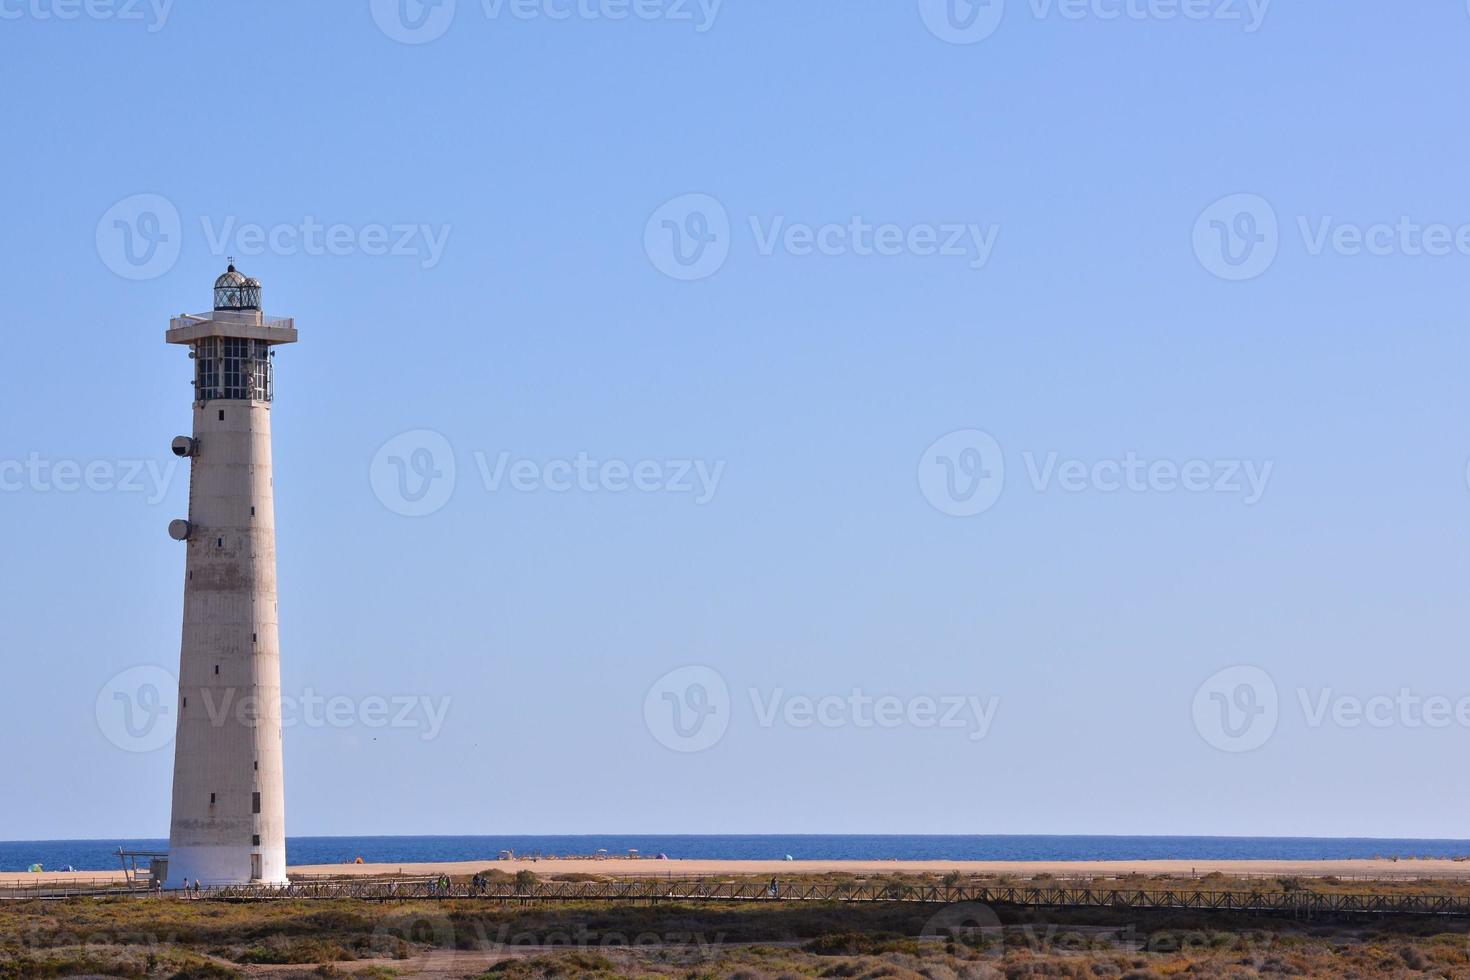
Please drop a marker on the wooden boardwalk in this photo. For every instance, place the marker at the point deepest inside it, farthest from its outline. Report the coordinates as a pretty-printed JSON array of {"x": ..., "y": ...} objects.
[{"x": 1305, "y": 903}]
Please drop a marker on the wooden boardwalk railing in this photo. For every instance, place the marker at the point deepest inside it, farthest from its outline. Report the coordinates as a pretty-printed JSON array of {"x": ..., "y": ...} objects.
[{"x": 1296, "y": 903}]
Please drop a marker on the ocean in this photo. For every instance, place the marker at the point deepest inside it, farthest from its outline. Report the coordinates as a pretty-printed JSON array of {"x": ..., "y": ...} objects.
[{"x": 101, "y": 855}]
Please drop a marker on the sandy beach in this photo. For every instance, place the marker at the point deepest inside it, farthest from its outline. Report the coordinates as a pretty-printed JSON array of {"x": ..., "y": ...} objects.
[
  {"x": 1366, "y": 869},
  {"x": 704, "y": 868}
]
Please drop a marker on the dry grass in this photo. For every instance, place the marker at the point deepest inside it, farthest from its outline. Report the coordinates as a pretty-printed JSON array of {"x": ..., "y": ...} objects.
[{"x": 165, "y": 939}]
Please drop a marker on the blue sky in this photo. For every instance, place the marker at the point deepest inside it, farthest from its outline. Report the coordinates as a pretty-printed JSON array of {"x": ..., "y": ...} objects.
[{"x": 605, "y": 375}]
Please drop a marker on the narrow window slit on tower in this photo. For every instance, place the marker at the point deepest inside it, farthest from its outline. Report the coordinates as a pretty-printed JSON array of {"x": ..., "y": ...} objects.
[
  {"x": 255, "y": 840},
  {"x": 216, "y": 670},
  {"x": 221, "y": 415},
  {"x": 219, "y": 542},
  {"x": 211, "y": 799},
  {"x": 255, "y": 803}
]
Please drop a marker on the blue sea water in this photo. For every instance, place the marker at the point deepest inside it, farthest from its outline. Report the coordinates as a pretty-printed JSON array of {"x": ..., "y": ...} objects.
[{"x": 102, "y": 855}]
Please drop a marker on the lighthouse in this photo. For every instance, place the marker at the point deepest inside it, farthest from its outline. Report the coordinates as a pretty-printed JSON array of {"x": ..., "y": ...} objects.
[{"x": 229, "y": 810}]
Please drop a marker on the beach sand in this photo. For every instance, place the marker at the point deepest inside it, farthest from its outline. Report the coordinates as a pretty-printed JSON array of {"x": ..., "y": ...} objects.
[
  {"x": 704, "y": 869},
  {"x": 1366, "y": 869}
]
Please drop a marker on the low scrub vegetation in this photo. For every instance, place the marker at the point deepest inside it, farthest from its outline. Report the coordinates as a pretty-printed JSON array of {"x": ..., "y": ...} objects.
[{"x": 150, "y": 939}]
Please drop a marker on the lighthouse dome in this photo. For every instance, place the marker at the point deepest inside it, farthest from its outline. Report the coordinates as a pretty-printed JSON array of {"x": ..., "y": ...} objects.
[
  {"x": 235, "y": 291},
  {"x": 232, "y": 277}
]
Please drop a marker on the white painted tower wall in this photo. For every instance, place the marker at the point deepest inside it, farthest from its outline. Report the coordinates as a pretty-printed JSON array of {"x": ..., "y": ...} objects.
[{"x": 228, "y": 823}]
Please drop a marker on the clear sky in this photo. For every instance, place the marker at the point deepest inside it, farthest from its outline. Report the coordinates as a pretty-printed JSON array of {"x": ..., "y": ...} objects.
[{"x": 819, "y": 347}]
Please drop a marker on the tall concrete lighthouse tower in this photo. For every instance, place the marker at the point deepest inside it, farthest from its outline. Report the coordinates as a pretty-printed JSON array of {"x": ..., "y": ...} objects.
[{"x": 229, "y": 809}]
